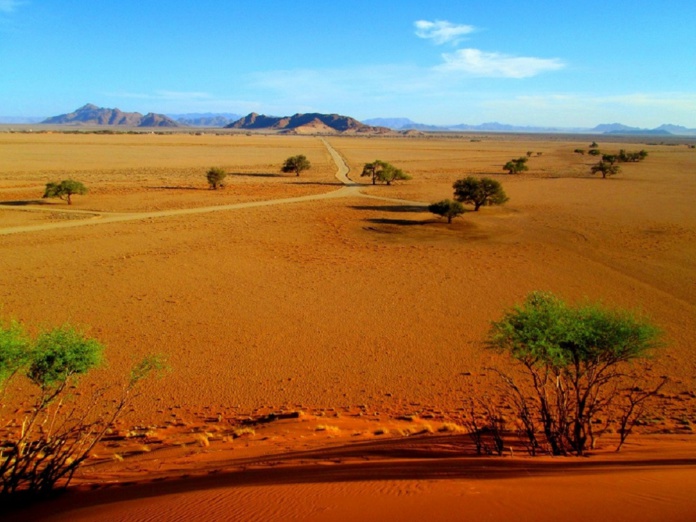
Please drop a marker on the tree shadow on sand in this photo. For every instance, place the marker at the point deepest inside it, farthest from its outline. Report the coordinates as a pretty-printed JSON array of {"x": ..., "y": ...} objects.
[
  {"x": 392, "y": 208},
  {"x": 399, "y": 222},
  {"x": 257, "y": 174},
  {"x": 24, "y": 203},
  {"x": 173, "y": 187}
]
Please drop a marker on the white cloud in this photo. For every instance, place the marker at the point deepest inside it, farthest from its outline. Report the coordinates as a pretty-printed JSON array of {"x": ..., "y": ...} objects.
[
  {"x": 441, "y": 32},
  {"x": 497, "y": 65},
  {"x": 9, "y": 6}
]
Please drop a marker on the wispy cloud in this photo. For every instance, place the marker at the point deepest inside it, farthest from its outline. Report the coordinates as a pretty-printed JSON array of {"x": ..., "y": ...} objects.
[
  {"x": 496, "y": 65},
  {"x": 441, "y": 31},
  {"x": 10, "y": 6}
]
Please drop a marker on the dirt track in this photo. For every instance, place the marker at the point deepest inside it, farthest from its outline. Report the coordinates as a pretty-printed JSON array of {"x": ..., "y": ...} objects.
[{"x": 350, "y": 190}]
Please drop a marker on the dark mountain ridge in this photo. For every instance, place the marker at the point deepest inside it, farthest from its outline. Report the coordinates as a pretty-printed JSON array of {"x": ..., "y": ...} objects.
[
  {"x": 92, "y": 115},
  {"x": 305, "y": 123}
]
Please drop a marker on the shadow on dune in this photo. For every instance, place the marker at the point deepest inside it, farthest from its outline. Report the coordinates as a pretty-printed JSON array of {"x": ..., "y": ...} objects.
[{"x": 415, "y": 458}]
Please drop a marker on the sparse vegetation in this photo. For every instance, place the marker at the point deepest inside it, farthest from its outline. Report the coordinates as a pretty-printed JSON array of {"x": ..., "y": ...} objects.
[
  {"x": 515, "y": 166},
  {"x": 479, "y": 192},
  {"x": 296, "y": 164},
  {"x": 215, "y": 177},
  {"x": 447, "y": 208},
  {"x": 58, "y": 432},
  {"x": 573, "y": 360},
  {"x": 632, "y": 157},
  {"x": 594, "y": 152},
  {"x": 579, "y": 151},
  {"x": 605, "y": 169},
  {"x": 64, "y": 190}
]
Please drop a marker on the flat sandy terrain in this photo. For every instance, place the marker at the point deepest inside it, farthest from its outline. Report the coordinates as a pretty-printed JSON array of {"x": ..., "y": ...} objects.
[{"x": 360, "y": 306}]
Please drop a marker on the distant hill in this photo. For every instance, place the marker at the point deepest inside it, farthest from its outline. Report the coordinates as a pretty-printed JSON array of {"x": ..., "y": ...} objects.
[
  {"x": 205, "y": 119},
  {"x": 613, "y": 128},
  {"x": 92, "y": 115},
  {"x": 641, "y": 132},
  {"x": 403, "y": 124},
  {"x": 19, "y": 119},
  {"x": 306, "y": 124}
]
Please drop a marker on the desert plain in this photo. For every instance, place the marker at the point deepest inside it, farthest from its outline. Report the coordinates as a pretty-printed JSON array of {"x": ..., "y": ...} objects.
[{"x": 350, "y": 312}]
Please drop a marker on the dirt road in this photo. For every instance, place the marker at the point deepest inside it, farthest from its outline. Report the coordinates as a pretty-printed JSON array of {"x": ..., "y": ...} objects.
[{"x": 349, "y": 190}]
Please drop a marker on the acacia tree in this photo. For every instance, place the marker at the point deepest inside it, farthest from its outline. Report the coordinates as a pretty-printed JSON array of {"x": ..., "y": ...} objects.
[
  {"x": 447, "y": 208},
  {"x": 516, "y": 166},
  {"x": 296, "y": 164},
  {"x": 572, "y": 360},
  {"x": 64, "y": 190},
  {"x": 215, "y": 177},
  {"x": 479, "y": 192},
  {"x": 390, "y": 173},
  {"x": 383, "y": 172},
  {"x": 58, "y": 432},
  {"x": 605, "y": 168},
  {"x": 371, "y": 169},
  {"x": 633, "y": 157}
]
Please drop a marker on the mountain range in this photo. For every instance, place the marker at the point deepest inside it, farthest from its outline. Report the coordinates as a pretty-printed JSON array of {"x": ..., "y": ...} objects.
[
  {"x": 402, "y": 124},
  {"x": 313, "y": 123},
  {"x": 92, "y": 115},
  {"x": 205, "y": 119},
  {"x": 306, "y": 124}
]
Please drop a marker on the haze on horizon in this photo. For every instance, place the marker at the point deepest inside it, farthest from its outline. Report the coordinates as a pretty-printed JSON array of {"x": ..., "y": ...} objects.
[{"x": 566, "y": 64}]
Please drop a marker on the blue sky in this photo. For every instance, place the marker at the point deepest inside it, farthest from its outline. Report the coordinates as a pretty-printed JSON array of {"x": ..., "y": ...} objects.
[{"x": 562, "y": 63}]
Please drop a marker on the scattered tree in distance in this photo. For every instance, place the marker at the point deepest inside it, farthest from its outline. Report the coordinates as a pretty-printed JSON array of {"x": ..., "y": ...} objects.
[
  {"x": 215, "y": 177},
  {"x": 516, "y": 166},
  {"x": 447, "y": 208},
  {"x": 632, "y": 157},
  {"x": 383, "y": 172},
  {"x": 479, "y": 192},
  {"x": 64, "y": 190},
  {"x": 605, "y": 168},
  {"x": 296, "y": 164}
]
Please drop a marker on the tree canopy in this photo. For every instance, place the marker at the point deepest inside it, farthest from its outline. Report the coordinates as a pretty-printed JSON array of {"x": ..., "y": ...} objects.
[
  {"x": 383, "y": 172},
  {"x": 516, "y": 166},
  {"x": 296, "y": 164},
  {"x": 572, "y": 356},
  {"x": 479, "y": 192},
  {"x": 447, "y": 208},
  {"x": 64, "y": 190},
  {"x": 605, "y": 168},
  {"x": 215, "y": 177},
  {"x": 57, "y": 432}
]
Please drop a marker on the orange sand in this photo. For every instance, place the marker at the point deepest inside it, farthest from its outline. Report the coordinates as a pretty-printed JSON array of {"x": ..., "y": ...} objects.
[{"x": 350, "y": 302}]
